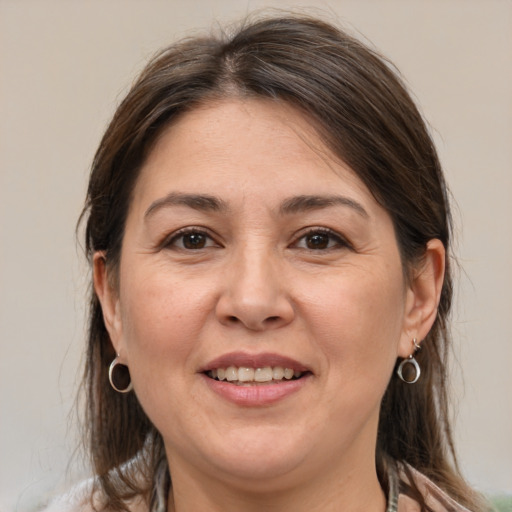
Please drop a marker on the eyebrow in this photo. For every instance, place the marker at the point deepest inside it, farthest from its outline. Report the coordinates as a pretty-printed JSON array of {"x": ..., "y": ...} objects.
[
  {"x": 314, "y": 202},
  {"x": 296, "y": 204},
  {"x": 201, "y": 202}
]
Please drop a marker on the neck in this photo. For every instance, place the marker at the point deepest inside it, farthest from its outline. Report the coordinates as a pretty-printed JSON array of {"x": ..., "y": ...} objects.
[{"x": 356, "y": 489}]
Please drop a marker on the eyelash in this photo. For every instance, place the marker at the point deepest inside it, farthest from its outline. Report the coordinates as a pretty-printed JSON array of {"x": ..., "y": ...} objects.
[
  {"x": 334, "y": 240},
  {"x": 339, "y": 241},
  {"x": 172, "y": 240}
]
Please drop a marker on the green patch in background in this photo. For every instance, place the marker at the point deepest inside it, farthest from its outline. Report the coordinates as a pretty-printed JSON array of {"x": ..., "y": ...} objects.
[{"x": 502, "y": 503}]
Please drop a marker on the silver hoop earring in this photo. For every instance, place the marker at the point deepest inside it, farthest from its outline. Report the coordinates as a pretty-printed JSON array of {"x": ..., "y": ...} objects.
[
  {"x": 409, "y": 370},
  {"x": 119, "y": 376}
]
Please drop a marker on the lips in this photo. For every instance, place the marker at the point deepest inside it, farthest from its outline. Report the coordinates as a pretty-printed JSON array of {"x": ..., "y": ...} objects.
[{"x": 255, "y": 379}]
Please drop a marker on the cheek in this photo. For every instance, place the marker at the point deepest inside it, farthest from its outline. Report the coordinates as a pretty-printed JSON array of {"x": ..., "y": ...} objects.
[
  {"x": 162, "y": 318},
  {"x": 162, "y": 322},
  {"x": 357, "y": 320}
]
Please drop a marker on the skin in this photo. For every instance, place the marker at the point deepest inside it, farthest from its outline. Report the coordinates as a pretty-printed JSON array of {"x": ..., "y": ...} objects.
[{"x": 263, "y": 280}]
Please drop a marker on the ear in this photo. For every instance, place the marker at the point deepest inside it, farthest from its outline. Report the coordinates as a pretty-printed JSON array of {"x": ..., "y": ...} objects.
[
  {"x": 423, "y": 295},
  {"x": 109, "y": 300}
]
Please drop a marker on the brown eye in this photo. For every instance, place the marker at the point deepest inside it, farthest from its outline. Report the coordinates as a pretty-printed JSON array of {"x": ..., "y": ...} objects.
[
  {"x": 317, "y": 241},
  {"x": 190, "y": 240},
  {"x": 321, "y": 240},
  {"x": 194, "y": 240}
]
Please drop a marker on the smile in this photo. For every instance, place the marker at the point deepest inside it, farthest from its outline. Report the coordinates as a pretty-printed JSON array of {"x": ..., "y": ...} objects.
[
  {"x": 255, "y": 380},
  {"x": 247, "y": 376}
]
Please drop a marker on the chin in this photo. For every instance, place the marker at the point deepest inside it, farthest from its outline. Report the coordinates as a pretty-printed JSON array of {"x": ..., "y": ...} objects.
[
  {"x": 259, "y": 458},
  {"x": 262, "y": 472}
]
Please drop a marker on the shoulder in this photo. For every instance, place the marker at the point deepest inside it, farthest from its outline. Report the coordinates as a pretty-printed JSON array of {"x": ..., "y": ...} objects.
[
  {"x": 435, "y": 498},
  {"x": 82, "y": 498},
  {"x": 77, "y": 499}
]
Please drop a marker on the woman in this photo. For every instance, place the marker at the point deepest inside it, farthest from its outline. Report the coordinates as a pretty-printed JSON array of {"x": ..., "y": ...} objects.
[{"x": 269, "y": 229}]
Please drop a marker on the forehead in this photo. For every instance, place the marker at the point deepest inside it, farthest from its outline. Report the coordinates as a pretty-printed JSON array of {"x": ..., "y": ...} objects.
[{"x": 243, "y": 145}]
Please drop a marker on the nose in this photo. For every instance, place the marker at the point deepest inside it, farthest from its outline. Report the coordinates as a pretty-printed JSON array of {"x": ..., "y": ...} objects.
[{"x": 255, "y": 294}]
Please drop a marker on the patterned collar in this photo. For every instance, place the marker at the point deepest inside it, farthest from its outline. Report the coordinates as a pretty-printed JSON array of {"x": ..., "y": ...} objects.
[{"x": 394, "y": 485}]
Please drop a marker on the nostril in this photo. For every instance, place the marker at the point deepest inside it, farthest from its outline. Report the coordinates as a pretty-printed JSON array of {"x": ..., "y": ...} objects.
[{"x": 271, "y": 320}]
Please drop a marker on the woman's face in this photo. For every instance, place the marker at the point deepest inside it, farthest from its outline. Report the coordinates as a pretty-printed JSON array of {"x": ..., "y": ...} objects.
[{"x": 252, "y": 254}]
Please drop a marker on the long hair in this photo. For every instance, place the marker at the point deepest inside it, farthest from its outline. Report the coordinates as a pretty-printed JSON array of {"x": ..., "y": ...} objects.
[{"x": 363, "y": 113}]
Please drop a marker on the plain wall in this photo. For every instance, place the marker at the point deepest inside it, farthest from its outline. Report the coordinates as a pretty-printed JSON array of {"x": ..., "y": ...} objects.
[{"x": 64, "y": 65}]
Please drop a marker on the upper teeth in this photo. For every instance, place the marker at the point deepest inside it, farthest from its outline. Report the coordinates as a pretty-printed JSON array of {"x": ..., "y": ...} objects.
[{"x": 245, "y": 374}]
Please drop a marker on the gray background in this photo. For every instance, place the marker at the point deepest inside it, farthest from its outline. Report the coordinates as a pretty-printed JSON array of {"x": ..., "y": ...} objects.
[{"x": 64, "y": 65}]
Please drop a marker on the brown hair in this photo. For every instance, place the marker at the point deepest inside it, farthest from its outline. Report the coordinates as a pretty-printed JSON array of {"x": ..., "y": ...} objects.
[{"x": 366, "y": 117}]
